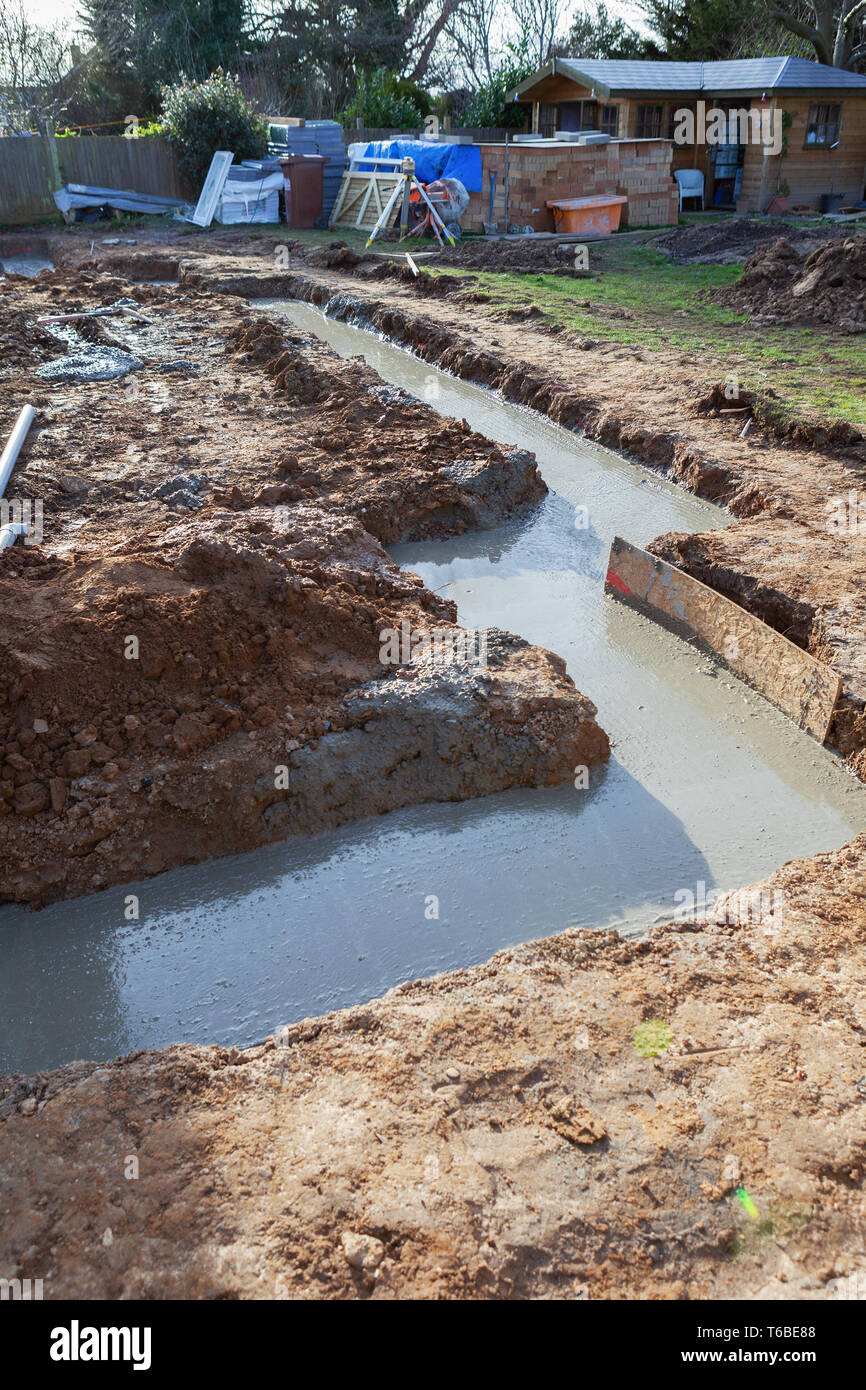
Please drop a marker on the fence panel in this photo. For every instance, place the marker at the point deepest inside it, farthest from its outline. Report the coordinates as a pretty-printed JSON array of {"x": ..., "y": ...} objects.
[
  {"x": 147, "y": 165},
  {"x": 25, "y": 179}
]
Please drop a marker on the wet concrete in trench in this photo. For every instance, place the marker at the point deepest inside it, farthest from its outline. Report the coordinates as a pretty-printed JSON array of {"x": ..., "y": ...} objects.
[
  {"x": 708, "y": 788},
  {"x": 24, "y": 263}
]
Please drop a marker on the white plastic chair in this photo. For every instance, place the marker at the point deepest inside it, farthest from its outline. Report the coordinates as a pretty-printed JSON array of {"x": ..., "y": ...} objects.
[{"x": 691, "y": 185}]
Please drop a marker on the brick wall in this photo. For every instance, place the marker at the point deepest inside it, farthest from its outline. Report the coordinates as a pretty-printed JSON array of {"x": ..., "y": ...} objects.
[{"x": 640, "y": 169}]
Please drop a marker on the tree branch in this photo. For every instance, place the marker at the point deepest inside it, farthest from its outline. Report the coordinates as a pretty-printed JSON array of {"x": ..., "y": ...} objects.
[
  {"x": 799, "y": 27},
  {"x": 429, "y": 43},
  {"x": 848, "y": 19}
]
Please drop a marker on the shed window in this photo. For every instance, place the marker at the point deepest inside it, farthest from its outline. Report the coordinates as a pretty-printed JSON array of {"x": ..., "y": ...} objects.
[
  {"x": 546, "y": 119},
  {"x": 674, "y": 107},
  {"x": 648, "y": 125},
  {"x": 608, "y": 119},
  {"x": 822, "y": 127},
  {"x": 588, "y": 115},
  {"x": 594, "y": 115}
]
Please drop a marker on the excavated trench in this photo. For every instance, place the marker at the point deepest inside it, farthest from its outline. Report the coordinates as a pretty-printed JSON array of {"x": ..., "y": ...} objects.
[
  {"x": 28, "y": 263},
  {"x": 708, "y": 788}
]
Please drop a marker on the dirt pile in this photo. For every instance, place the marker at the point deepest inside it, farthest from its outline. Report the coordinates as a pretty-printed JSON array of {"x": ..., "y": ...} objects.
[
  {"x": 337, "y": 255},
  {"x": 827, "y": 286},
  {"x": 422, "y": 283},
  {"x": 572, "y": 1119},
  {"x": 384, "y": 456},
  {"x": 543, "y": 255},
  {"x": 264, "y": 342},
  {"x": 150, "y": 696},
  {"x": 209, "y": 598},
  {"x": 734, "y": 239}
]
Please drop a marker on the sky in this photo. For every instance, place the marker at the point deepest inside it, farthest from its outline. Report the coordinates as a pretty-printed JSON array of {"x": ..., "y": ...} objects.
[
  {"x": 49, "y": 12},
  {"x": 52, "y": 12}
]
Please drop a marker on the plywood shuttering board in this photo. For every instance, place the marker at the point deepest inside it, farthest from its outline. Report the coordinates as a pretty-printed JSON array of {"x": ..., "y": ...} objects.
[
  {"x": 362, "y": 199},
  {"x": 788, "y": 677}
]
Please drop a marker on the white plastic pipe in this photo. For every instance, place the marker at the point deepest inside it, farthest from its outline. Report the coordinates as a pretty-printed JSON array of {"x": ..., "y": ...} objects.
[
  {"x": 9, "y": 534},
  {"x": 10, "y": 454}
]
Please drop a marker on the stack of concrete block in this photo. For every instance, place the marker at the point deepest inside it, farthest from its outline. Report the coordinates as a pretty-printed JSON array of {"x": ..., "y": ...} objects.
[{"x": 314, "y": 137}]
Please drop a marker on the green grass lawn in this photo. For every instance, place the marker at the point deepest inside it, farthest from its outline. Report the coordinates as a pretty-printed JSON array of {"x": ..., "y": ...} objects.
[
  {"x": 635, "y": 296},
  {"x": 813, "y": 374}
]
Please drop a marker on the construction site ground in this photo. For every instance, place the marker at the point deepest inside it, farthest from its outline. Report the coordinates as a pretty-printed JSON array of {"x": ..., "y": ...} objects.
[{"x": 581, "y": 1116}]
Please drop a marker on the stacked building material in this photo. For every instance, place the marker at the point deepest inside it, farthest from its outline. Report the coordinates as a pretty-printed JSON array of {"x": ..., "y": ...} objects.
[
  {"x": 251, "y": 193},
  {"x": 644, "y": 176},
  {"x": 313, "y": 137},
  {"x": 77, "y": 197},
  {"x": 546, "y": 170}
]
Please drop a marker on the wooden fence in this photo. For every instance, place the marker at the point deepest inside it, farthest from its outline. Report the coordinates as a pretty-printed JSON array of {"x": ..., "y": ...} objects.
[{"x": 28, "y": 178}]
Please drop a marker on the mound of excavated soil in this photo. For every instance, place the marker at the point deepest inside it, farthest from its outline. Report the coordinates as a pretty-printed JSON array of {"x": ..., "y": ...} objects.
[
  {"x": 149, "y": 695},
  {"x": 733, "y": 240},
  {"x": 210, "y": 596},
  {"x": 544, "y": 255},
  {"x": 779, "y": 285},
  {"x": 525, "y": 254}
]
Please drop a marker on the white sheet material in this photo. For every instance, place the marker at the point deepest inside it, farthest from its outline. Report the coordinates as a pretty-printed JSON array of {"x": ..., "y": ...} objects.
[
  {"x": 250, "y": 200},
  {"x": 249, "y": 209}
]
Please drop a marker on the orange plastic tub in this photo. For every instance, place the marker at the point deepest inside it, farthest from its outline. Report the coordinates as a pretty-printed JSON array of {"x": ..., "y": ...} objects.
[{"x": 597, "y": 216}]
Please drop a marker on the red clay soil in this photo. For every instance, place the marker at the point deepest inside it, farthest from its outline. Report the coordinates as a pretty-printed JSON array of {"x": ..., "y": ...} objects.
[
  {"x": 257, "y": 649},
  {"x": 546, "y": 256},
  {"x": 208, "y": 599},
  {"x": 500, "y": 1132}
]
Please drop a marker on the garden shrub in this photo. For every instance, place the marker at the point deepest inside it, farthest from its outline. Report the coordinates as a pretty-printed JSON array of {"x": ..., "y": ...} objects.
[{"x": 201, "y": 117}]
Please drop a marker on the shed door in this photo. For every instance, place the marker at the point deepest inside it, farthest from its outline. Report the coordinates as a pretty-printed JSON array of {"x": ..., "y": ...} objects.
[{"x": 569, "y": 115}]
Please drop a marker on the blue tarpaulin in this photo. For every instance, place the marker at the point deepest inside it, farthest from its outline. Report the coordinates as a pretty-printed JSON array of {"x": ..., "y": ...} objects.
[{"x": 461, "y": 162}]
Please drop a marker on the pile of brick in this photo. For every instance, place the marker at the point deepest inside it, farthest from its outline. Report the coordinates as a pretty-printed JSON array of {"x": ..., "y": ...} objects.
[
  {"x": 645, "y": 178},
  {"x": 538, "y": 173}
]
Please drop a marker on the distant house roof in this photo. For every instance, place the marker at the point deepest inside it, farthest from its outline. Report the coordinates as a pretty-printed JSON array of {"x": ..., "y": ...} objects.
[{"x": 725, "y": 78}]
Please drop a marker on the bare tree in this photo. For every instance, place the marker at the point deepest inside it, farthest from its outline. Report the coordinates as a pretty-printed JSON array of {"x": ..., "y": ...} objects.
[
  {"x": 759, "y": 34},
  {"x": 425, "y": 21},
  {"x": 836, "y": 29},
  {"x": 538, "y": 21},
  {"x": 35, "y": 71},
  {"x": 469, "y": 39}
]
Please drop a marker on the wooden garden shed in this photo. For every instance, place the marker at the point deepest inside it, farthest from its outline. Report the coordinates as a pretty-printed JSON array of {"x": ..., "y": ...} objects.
[{"x": 817, "y": 115}]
